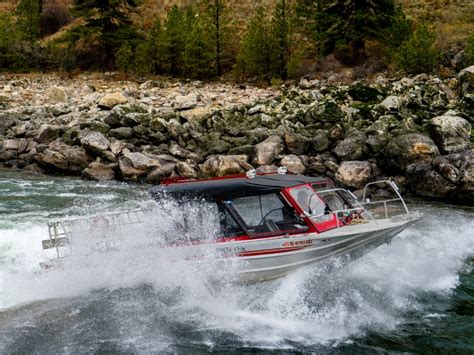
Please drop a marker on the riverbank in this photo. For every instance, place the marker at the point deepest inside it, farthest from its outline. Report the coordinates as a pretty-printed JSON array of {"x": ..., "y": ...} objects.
[{"x": 415, "y": 130}]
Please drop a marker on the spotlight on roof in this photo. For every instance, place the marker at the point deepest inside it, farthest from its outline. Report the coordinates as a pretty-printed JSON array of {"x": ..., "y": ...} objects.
[{"x": 282, "y": 170}]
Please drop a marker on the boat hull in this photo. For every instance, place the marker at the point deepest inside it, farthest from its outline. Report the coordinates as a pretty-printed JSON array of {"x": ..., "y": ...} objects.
[{"x": 351, "y": 241}]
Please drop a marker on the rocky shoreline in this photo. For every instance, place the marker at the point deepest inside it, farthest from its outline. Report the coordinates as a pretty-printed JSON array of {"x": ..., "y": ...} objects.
[{"x": 415, "y": 130}]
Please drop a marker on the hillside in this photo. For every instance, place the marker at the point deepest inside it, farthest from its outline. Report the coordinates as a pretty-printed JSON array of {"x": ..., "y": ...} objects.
[{"x": 454, "y": 19}]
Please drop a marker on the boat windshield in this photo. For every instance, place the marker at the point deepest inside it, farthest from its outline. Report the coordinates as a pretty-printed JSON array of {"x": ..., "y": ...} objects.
[
  {"x": 266, "y": 213},
  {"x": 311, "y": 203}
]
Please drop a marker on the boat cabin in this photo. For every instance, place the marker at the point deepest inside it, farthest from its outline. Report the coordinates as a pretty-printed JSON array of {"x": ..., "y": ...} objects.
[{"x": 265, "y": 205}]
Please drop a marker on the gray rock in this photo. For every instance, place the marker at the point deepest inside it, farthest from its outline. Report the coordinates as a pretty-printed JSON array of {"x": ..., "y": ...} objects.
[
  {"x": 6, "y": 121},
  {"x": 121, "y": 132},
  {"x": 408, "y": 148},
  {"x": 451, "y": 133},
  {"x": 47, "y": 133},
  {"x": 11, "y": 144},
  {"x": 221, "y": 165},
  {"x": 351, "y": 148},
  {"x": 266, "y": 151},
  {"x": 113, "y": 99},
  {"x": 99, "y": 171},
  {"x": 293, "y": 163},
  {"x": 391, "y": 103},
  {"x": 186, "y": 102},
  {"x": 95, "y": 142},
  {"x": 77, "y": 158},
  {"x": 53, "y": 159},
  {"x": 354, "y": 174},
  {"x": 160, "y": 172},
  {"x": 186, "y": 170},
  {"x": 57, "y": 94},
  {"x": 320, "y": 141}
]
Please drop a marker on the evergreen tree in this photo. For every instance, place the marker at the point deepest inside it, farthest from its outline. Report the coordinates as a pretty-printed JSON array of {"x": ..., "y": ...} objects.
[
  {"x": 199, "y": 55},
  {"x": 257, "y": 51},
  {"x": 152, "y": 48},
  {"x": 172, "y": 46},
  {"x": 28, "y": 19},
  {"x": 124, "y": 57},
  {"x": 281, "y": 34},
  {"x": 419, "y": 53},
  {"x": 219, "y": 20},
  {"x": 399, "y": 31},
  {"x": 107, "y": 21},
  {"x": 345, "y": 25}
]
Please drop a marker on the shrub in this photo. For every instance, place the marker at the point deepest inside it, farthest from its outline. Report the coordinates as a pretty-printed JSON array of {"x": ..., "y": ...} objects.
[
  {"x": 53, "y": 17},
  {"x": 418, "y": 54},
  {"x": 124, "y": 58},
  {"x": 469, "y": 51}
]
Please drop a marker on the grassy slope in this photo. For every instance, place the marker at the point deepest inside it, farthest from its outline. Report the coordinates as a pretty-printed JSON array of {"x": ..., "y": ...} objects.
[{"x": 454, "y": 19}]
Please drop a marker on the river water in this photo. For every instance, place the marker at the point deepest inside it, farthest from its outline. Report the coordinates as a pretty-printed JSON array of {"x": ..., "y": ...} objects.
[{"x": 415, "y": 295}]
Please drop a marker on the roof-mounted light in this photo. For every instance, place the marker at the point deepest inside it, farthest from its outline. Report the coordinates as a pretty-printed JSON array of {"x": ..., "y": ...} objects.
[
  {"x": 251, "y": 173},
  {"x": 282, "y": 170}
]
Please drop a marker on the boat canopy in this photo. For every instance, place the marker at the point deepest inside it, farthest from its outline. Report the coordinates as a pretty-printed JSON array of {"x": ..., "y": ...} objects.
[{"x": 226, "y": 188}]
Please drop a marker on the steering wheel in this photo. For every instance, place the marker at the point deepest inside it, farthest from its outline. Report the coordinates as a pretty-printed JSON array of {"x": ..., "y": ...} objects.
[{"x": 266, "y": 215}]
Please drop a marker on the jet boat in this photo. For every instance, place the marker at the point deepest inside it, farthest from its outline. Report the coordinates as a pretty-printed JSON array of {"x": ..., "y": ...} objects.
[{"x": 268, "y": 224}]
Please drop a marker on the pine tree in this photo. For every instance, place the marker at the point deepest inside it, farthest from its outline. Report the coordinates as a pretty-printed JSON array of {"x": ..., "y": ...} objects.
[
  {"x": 399, "y": 31},
  {"x": 28, "y": 13},
  {"x": 199, "y": 55},
  {"x": 281, "y": 34},
  {"x": 107, "y": 21},
  {"x": 419, "y": 53},
  {"x": 172, "y": 46},
  {"x": 124, "y": 57},
  {"x": 345, "y": 25},
  {"x": 257, "y": 51},
  {"x": 219, "y": 26}
]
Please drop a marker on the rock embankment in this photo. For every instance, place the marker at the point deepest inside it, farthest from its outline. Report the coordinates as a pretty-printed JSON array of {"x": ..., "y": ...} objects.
[{"x": 416, "y": 130}]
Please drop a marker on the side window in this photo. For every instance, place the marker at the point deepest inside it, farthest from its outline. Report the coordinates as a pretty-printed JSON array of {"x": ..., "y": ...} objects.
[
  {"x": 265, "y": 213},
  {"x": 229, "y": 226}
]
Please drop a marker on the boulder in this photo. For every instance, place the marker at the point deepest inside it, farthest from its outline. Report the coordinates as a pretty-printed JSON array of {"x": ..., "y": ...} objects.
[
  {"x": 451, "y": 133},
  {"x": 158, "y": 173},
  {"x": 319, "y": 141},
  {"x": 186, "y": 170},
  {"x": 113, "y": 99},
  {"x": 139, "y": 160},
  {"x": 354, "y": 174},
  {"x": 408, "y": 148},
  {"x": 77, "y": 158},
  {"x": 6, "y": 122},
  {"x": 57, "y": 94},
  {"x": 326, "y": 111},
  {"x": 221, "y": 165},
  {"x": 53, "y": 159},
  {"x": 121, "y": 132},
  {"x": 293, "y": 163},
  {"x": 128, "y": 172},
  {"x": 391, "y": 103},
  {"x": 266, "y": 151},
  {"x": 11, "y": 144},
  {"x": 296, "y": 143},
  {"x": 47, "y": 133},
  {"x": 351, "y": 148},
  {"x": 186, "y": 102},
  {"x": 99, "y": 171},
  {"x": 95, "y": 142}
]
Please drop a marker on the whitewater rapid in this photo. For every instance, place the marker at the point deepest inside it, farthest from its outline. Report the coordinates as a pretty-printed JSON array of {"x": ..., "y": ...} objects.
[{"x": 323, "y": 303}]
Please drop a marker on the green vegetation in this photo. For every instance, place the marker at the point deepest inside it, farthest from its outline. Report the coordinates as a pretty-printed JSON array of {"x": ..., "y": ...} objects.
[
  {"x": 469, "y": 50},
  {"x": 207, "y": 40},
  {"x": 418, "y": 54}
]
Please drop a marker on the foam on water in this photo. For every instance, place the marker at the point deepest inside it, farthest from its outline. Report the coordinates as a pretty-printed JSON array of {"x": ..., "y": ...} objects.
[{"x": 154, "y": 303}]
